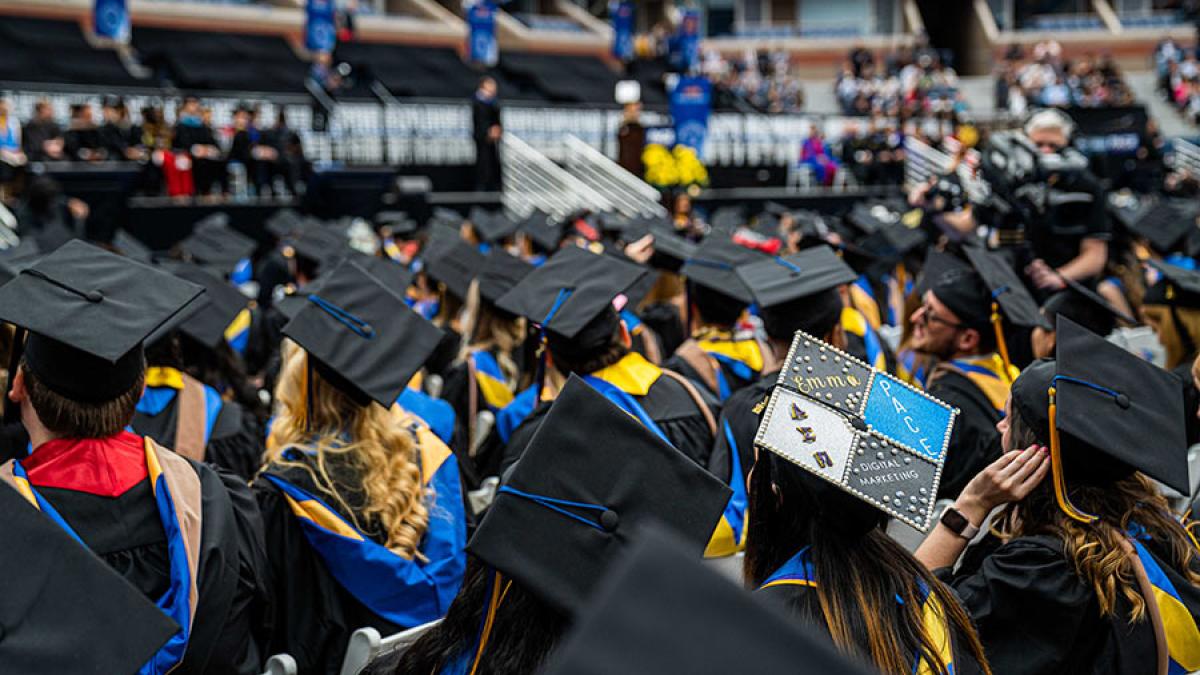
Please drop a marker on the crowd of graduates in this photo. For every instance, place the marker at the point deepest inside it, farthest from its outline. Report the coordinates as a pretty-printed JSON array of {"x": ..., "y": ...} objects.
[{"x": 523, "y": 433}]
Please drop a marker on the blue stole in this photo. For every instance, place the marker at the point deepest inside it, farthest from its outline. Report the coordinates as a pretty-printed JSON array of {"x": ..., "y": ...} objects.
[
  {"x": 627, "y": 403},
  {"x": 405, "y": 592},
  {"x": 1183, "y": 636},
  {"x": 730, "y": 535},
  {"x": 490, "y": 380},
  {"x": 176, "y": 602},
  {"x": 510, "y": 416},
  {"x": 438, "y": 414},
  {"x": 156, "y": 399},
  {"x": 855, "y": 322}
]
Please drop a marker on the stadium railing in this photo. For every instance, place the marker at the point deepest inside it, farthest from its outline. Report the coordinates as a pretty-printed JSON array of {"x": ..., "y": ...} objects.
[{"x": 628, "y": 193}]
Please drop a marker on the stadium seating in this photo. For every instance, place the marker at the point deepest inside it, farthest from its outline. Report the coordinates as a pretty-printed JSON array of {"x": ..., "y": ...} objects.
[
  {"x": 215, "y": 61},
  {"x": 42, "y": 50}
]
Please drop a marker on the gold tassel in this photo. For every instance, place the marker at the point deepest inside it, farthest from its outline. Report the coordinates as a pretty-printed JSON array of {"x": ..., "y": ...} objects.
[
  {"x": 1056, "y": 467},
  {"x": 489, "y": 619},
  {"x": 1001, "y": 345}
]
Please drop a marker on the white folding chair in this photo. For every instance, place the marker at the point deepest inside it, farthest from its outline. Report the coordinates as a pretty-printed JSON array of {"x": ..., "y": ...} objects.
[
  {"x": 281, "y": 664},
  {"x": 366, "y": 645}
]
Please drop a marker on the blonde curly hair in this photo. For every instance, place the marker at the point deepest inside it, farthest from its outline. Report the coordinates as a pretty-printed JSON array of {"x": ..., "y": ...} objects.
[
  {"x": 374, "y": 439},
  {"x": 484, "y": 328}
]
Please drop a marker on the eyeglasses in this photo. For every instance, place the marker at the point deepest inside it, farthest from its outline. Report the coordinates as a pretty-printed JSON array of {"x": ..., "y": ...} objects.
[
  {"x": 1054, "y": 147},
  {"x": 925, "y": 314}
]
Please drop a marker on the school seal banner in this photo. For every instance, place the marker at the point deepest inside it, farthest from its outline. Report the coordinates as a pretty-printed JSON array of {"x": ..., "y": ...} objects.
[{"x": 859, "y": 428}]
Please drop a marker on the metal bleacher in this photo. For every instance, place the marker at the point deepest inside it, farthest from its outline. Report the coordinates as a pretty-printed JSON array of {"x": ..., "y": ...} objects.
[
  {"x": 629, "y": 194},
  {"x": 533, "y": 181}
]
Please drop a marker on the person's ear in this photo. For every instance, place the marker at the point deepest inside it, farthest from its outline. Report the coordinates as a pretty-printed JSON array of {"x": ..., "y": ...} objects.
[
  {"x": 837, "y": 337},
  {"x": 968, "y": 340},
  {"x": 17, "y": 392}
]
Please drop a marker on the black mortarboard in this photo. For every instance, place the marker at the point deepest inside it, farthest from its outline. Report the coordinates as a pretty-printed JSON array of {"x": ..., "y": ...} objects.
[
  {"x": 779, "y": 280},
  {"x": 727, "y": 219},
  {"x": 671, "y": 251},
  {"x": 1115, "y": 412},
  {"x": 444, "y": 216},
  {"x": 590, "y": 479},
  {"x": 293, "y": 300},
  {"x": 215, "y": 244},
  {"x": 1005, "y": 287},
  {"x": 363, "y": 337},
  {"x": 661, "y": 611},
  {"x": 1085, "y": 307},
  {"x": 894, "y": 241},
  {"x": 320, "y": 244},
  {"x": 285, "y": 223},
  {"x": 455, "y": 265},
  {"x": 131, "y": 247},
  {"x": 493, "y": 227},
  {"x": 16, "y": 258},
  {"x": 1165, "y": 223},
  {"x": 394, "y": 276},
  {"x": 500, "y": 273},
  {"x": 219, "y": 306},
  {"x": 715, "y": 263},
  {"x": 47, "y": 628},
  {"x": 542, "y": 230},
  {"x": 570, "y": 290},
  {"x": 936, "y": 264},
  {"x": 868, "y": 217},
  {"x": 88, "y": 311},
  {"x": 1179, "y": 287}
]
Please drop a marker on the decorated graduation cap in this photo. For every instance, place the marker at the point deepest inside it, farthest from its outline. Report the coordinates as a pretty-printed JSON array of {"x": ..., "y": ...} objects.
[
  {"x": 1084, "y": 306},
  {"x": 1177, "y": 287},
  {"x": 714, "y": 266},
  {"x": 117, "y": 630},
  {"x": 455, "y": 265},
  {"x": 859, "y": 429},
  {"x": 500, "y": 273},
  {"x": 591, "y": 477},
  {"x": 574, "y": 287},
  {"x": 215, "y": 244},
  {"x": 661, "y": 611},
  {"x": 1105, "y": 413},
  {"x": 361, "y": 336},
  {"x": 88, "y": 311},
  {"x": 217, "y": 308}
]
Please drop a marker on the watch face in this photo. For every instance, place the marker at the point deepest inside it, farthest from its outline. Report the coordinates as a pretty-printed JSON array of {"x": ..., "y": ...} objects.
[{"x": 954, "y": 520}]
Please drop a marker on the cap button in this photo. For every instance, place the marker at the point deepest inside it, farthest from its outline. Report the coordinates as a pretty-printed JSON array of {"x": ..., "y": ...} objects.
[
  {"x": 609, "y": 520},
  {"x": 1123, "y": 401},
  {"x": 93, "y": 296}
]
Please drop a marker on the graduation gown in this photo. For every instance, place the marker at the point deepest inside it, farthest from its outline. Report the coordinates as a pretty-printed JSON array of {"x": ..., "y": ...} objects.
[
  {"x": 1035, "y": 615},
  {"x": 232, "y": 437},
  {"x": 491, "y": 393},
  {"x": 721, "y": 363},
  {"x": 732, "y": 458},
  {"x": 798, "y": 596},
  {"x": 666, "y": 402},
  {"x": 315, "y": 611},
  {"x": 101, "y": 489},
  {"x": 979, "y": 397}
]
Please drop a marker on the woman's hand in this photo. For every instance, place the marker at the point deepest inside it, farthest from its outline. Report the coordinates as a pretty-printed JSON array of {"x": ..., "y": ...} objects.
[{"x": 1008, "y": 479}]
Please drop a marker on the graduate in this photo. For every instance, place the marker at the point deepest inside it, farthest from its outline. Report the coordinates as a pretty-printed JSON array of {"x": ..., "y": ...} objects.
[
  {"x": 1172, "y": 308},
  {"x": 363, "y": 504},
  {"x": 794, "y": 292},
  {"x": 1080, "y": 304},
  {"x": 487, "y": 373},
  {"x": 451, "y": 264},
  {"x": 1088, "y": 571},
  {"x": 186, "y": 536},
  {"x": 188, "y": 414},
  {"x": 571, "y": 298},
  {"x": 823, "y": 486},
  {"x": 962, "y": 322},
  {"x": 717, "y": 356},
  {"x": 592, "y": 479}
]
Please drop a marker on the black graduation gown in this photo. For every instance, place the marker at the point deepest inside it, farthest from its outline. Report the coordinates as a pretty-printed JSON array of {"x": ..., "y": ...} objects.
[
  {"x": 974, "y": 443},
  {"x": 740, "y": 416},
  {"x": 314, "y": 614},
  {"x": 231, "y": 623},
  {"x": 663, "y": 319},
  {"x": 456, "y": 392},
  {"x": 802, "y": 602},
  {"x": 236, "y": 442},
  {"x": 667, "y": 403},
  {"x": 679, "y": 365},
  {"x": 1191, "y": 400},
  {"x": 1035, "y": 615}
]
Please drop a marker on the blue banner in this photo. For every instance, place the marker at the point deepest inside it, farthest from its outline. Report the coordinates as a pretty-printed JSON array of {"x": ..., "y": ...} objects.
[
  {"x": 685, "y": 44},
  {"x": 320, "y": 29},
  {"x": 690, "y": 103},
  {"x": 481, "y": 19},
  {"x": 622, "y": 25},
  {"x": 110, "y": 20}
]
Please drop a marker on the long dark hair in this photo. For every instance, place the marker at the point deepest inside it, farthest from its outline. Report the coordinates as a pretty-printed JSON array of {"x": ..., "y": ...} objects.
[
  {"x": 860, "y": 572},
  {"x": 524, "y": 631}
]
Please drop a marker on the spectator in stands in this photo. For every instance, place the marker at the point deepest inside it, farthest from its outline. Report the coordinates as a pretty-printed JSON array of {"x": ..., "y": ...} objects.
[
  {"x": 249, "y": 147},
  {"x": 1050, "y": 80},
  {"x": 42, "y": 136},
  {"x": 82, "y": 140},
  {"x": 194, "y": 136},
  {"x": 816, "y": 154},
  {"x": 631, "y": 140},
  {"x": 118, "y": 135},
  {"x": 155, "y": 133},
  {"x": 289, "y": 170},
  {"x": 12, "y": 154},
  {"x": 916, "y": 82},
  {"x": 485, "y": 117}
]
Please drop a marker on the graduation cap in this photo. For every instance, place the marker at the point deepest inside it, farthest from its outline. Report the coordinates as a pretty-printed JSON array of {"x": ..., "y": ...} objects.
[
  {"x": 293, "y": 300},
  {"x": 1178, "y": 287},
  {"x": 285, "y": 223},
  {"x": 493, "y": 227},
  {"x": 671, "y": 251},
  {"x": 570, "y": 290},
  {"x": 17, "y": 258},
  {"x": 444, "y": 216},
  {"x": 501, "y": 272},
  {"x": 661, "y": 611},
  {"x": 396, "y": 223},
  {"x": 727, "y": 218},
  {"x": 394, "y": 276},
  {"x": 714, "y": 266},
  {"x": 894, "y": 241},
  {"x": 362, "y": 336},
  {"x": 454, "y": 264},
  {"x": 1164, "y": 223},
  {"x": 321, "y": 245},
  {"x": 1085, "y": 307},
  {"x": 860, "y": 430},
  {"x": 1006, "y": 288},
  {"x": 777, "y": 281},
  {"x": 47, "y": 629},
  {"x": 1105, "y": 413},
  {"x": 88, "y": 311},
  {"x": 868, "y": 217},
  {"x": 218, "y": 307},
  {"x": 591, "y": 477},
  {"x": 215, "y": 244},
  {"x": 131, "y": 247}
]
